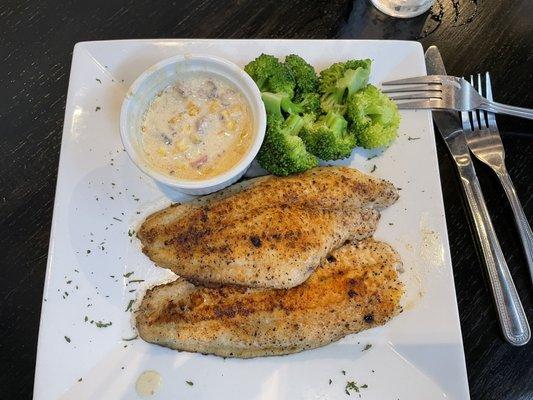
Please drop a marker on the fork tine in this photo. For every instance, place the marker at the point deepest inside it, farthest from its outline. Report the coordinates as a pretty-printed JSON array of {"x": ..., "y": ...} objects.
[
  {"x": 436, "y": 79},
  {"x": 475, "y": 120},
  {"x": 491, "y": 117},
  {"x": 478, "y": 85},
  {"x": 420, "y": 88},
  {"x": 419, "y": 95},
  {"x": 488, "y": 87},
  {"x": 465, "y": 119},
  {"x": 420, "y": 104},
  {"x": 482, "y": 116}
]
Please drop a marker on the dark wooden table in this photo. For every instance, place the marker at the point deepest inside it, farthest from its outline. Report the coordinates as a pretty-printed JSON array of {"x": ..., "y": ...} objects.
[{"x": 36, "y": 41}]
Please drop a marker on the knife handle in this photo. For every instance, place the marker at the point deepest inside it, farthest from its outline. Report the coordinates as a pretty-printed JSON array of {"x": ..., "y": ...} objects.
[{"x": 513, "y": 320}]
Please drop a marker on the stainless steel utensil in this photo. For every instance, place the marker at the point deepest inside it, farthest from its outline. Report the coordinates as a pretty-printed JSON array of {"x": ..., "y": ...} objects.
[
  {"x": 511, "y": 314},
  {"x": 447, "y": 92},
  {"x": 484, "y": 141}
]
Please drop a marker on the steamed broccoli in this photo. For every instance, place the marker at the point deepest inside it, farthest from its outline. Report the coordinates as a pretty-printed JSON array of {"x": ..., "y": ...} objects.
[
  {"x": 283, "y": 152},
  {"x": 294, "y": 96},
  {"x": 270, "y": 75},
  {"x": 280, "y": 101},
  {"x": 304, "y": 74},
  {"x": 309, "y": 103},
  {"x": 328, "y": 138},
  {"x": 340, "y": 81},
  {"x": 374, "y": 118}
]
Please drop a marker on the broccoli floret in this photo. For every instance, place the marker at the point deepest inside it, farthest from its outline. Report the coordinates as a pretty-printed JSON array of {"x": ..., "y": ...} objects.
[
  {"x": 374, "y": 118},
  {"x": 310, "y": 103},
  {"x": 275, "y": 102},
  {"x": 305, "y": 75},
  {"x": 328, "y": 138},
  {"x": 270, "y": 75},
  {"x": 340, "y": 81},
  {"x": 283, "y": 152}
]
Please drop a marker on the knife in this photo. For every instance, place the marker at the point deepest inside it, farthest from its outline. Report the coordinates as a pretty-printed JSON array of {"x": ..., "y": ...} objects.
[{"x": 511, "y": 314}]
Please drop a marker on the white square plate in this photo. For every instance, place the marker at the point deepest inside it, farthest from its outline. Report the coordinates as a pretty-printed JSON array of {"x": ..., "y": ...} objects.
[{"x": 95, "y": 265}]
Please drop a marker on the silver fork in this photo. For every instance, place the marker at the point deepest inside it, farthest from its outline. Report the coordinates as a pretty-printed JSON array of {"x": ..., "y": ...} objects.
[
  {"x": 446, "y": 92},
  {"x": 485, "y": 143}
]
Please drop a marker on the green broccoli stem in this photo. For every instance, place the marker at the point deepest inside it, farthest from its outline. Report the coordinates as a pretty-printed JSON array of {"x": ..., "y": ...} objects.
[
  {"x": 289, "y": 107},
  {"x": 293, "y": 124},
  {"x": 335, "y": 121},
  {"x": 275, "y": 102},
  {"x": 354, "y": 80},
  {"x": 333, "y": 101},
  {"x": 272, "y": 103}
]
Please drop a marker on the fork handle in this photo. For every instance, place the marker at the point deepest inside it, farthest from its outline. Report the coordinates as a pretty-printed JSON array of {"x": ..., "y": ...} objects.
[
  {"x": 524, "y": 229},
  {"x": 511, "y": 314},
  {"x": 499, "y": 108}
]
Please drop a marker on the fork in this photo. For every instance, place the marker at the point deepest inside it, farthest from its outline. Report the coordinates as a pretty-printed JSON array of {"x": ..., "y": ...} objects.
[
  {"x": 447, "y": 92},
  {"x": 485, "y": 143}
]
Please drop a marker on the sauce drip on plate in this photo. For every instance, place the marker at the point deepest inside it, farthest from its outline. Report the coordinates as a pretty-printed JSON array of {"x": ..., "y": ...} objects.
[{"x": 148, "y": 383}]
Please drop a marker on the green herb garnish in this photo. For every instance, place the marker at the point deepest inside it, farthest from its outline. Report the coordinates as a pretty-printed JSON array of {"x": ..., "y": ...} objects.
[
  {"x": 128, "y": 308},
  {"x": 351, "y": 386}
]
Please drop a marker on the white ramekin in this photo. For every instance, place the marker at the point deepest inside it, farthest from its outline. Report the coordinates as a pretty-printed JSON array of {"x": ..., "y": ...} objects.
[{"x": 163, "y": 74}]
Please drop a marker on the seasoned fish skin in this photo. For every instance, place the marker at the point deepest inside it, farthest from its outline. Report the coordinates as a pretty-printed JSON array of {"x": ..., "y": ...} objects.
[
  {"x": 268, "y": 231},
  {"x": 355, "y": 289},
  {"x": 277, "y": 247}
]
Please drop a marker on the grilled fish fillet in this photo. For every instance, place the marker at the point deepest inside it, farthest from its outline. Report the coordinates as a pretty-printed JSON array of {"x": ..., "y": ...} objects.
[
  {"x": 356, "y": 288},
  {"x": 269, "y": 231}
]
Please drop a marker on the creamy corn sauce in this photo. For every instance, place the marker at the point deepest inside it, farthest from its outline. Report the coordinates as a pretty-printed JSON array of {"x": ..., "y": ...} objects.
[{"x": 197, "y": 128}]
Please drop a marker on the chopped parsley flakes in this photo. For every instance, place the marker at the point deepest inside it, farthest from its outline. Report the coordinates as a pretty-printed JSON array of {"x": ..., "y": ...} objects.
[
  {"x": 100, "y": 324},
  {"x": 128, "y": 308},
  {"x": 351, "y": 385}
]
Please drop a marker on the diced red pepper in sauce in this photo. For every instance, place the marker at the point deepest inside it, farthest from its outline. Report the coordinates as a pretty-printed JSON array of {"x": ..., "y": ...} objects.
[{"x": 199, "y": 161}]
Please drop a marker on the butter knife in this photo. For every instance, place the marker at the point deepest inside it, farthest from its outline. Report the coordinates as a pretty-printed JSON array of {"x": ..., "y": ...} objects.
[{"x": 511, "y": 314}]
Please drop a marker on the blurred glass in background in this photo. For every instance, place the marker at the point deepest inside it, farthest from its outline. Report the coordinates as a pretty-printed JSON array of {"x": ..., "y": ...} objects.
[{"x": 403, "y": 8}]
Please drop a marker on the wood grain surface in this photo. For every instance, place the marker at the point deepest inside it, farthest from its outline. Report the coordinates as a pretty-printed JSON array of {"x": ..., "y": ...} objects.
[{"x": 36, "y": 41}]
